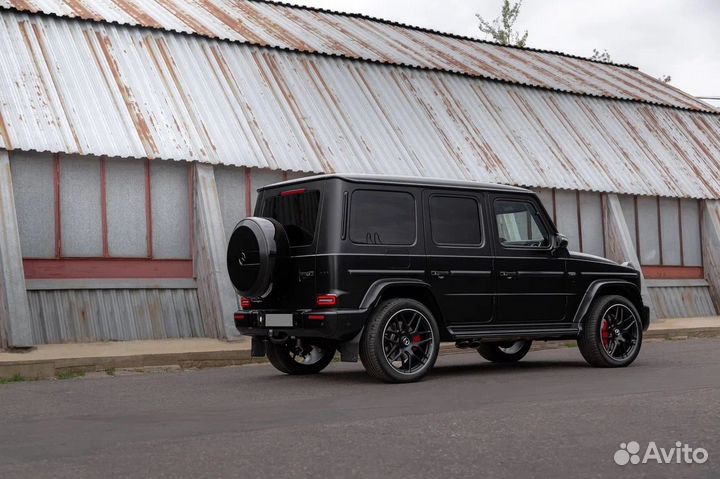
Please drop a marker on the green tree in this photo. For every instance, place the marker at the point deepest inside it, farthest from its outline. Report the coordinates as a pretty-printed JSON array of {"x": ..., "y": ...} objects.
[
  {"x": 601, "y": 56},
  {"x": 604, "y": 56},
  {"x": 501, "y": 29}
]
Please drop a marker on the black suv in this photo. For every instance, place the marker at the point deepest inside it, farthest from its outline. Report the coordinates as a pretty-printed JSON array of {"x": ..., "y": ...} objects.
[{"x": 387, "y": 268}]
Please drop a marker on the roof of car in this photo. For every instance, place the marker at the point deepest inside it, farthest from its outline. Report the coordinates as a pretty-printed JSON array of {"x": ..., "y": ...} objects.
[{"x": 403, "y": 180}]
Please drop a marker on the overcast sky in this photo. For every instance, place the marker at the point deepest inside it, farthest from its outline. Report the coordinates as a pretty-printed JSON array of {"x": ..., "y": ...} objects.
[{"x": 680, "y": 38}]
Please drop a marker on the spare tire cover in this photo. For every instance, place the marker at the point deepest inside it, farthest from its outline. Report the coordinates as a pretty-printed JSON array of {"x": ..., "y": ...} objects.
[{"x": 257, "y": 251}]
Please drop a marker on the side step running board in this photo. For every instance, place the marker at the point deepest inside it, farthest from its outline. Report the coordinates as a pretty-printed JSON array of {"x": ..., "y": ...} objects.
[{"x": 515, "y": 333}]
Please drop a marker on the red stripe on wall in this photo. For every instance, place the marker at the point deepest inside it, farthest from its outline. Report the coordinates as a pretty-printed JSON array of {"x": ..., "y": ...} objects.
[
  {"x": 673, "y": 272},
  {"x": 107, "y": 268}
]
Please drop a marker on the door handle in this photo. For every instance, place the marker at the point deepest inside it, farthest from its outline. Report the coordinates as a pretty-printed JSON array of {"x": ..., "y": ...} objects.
[
  {"x": 508, "y": 274},
  {"x": 439, "y": 274}
]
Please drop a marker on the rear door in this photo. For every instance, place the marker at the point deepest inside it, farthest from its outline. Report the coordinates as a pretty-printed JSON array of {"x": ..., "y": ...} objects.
[
  {"x": 459, "y": 257},
  {"x": 382, "y": 241},
  {"x": 531, "y": 282},
  {"x": 297, "y": 207}
]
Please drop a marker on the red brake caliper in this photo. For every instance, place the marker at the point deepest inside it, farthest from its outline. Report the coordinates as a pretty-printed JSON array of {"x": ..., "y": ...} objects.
[
  {"x": 605, "y": 333},
  {"x": 416, "y": 338}
]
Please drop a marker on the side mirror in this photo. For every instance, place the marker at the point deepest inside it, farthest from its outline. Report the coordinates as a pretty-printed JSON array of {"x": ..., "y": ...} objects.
[{"x": 560, "y": 242}]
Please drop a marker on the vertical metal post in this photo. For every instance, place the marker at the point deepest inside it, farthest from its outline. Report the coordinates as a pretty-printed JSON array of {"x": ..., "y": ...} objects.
[
  {"x": 15, "y": 328},
  {"x": 216, "y": 295}
]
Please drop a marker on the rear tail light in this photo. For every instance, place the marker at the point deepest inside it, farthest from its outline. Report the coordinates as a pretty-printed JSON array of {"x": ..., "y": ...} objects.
[
  {"x": 326, "y": 300},
  {"x": 245, "y": 303},
  {"x": 239, "y": 317}
]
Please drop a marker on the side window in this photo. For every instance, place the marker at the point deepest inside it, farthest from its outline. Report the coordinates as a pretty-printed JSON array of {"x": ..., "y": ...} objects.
[
  {"x": 455, "y": 221},
  {"x": 382, "y": 218},
  {"x": 519, "y": 225}
]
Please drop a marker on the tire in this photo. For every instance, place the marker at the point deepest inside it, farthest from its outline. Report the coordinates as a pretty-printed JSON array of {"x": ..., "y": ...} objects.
[
  {"x": 612, "y": 333},
  {"x": 257, "y": 254},
  {"x": 504, "y": 352},
  {"x": 399, "y": 332},
  {"x": 285, "y": 357}
]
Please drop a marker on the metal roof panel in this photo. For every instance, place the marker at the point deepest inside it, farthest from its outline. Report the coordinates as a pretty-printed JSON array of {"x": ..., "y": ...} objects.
[
  {"x": 312, "y": 30},
  {"x": 102, "y": 89}
]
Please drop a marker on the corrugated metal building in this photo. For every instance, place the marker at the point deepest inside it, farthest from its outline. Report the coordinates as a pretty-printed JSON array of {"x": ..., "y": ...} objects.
[{"x": 134, "y": 133}]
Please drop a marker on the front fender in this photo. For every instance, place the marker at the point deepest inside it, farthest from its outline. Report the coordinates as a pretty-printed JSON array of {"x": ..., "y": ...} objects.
[{"x": 600, "y": 287}]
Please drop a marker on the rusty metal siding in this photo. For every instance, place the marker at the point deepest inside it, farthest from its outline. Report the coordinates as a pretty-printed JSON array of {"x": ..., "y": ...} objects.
[
  {"x": 359, "y": 37},
  {"x": 60, "y": 316},
  {"x": 682, "y": 301},
  {"x": 102, "y": 89}
]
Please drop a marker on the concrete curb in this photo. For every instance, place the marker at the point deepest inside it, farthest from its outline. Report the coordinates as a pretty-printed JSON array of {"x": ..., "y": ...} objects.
[
  {"x": 683, "y": 333},
  {"x": 49, "y": 368}
]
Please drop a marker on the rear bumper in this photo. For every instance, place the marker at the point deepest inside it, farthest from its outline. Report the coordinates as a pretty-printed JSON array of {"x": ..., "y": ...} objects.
[{"x": 334, "y": 324}]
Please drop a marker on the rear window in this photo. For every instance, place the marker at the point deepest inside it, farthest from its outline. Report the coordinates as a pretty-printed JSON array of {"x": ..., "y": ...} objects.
[
  {"x": 382, "y": 218},
  {"x": 297, "y": 211}
]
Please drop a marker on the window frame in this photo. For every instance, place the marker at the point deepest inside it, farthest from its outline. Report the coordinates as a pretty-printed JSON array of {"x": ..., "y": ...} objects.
[
  {"x": 481, "y": 224},
  {"x": 106, "y": 266},
  {"x": 318, "y": 219},
  {"x": 382, "y": 190},
  {"x": 543, "y": 222}
]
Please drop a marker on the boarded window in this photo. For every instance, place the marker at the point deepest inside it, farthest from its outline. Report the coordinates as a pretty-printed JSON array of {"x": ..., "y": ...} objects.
[
  {"x": 126, "y": 216},
  {"x": 670, "y": 231},
  {"x": 32, "y": 176},
  {"x": 102, "y": 206},
  {"x": 647, "y": 224},
  {"x": 80, "y": 207},
  {"x": 170, "y": 210},
  {"x": 665, "y": 230},
  {"x": 690, "y": 216}
]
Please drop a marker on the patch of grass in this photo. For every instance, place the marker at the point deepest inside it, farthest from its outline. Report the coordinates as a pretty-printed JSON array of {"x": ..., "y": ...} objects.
[
  {"x": 70, "y": 374},
  {"x": 110, "y": 371},
  {"x": 570, "y": 344},
  {"x": 17, "y": 378}
]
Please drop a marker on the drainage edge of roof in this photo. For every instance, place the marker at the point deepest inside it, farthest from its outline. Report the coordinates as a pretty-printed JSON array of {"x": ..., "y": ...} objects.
[{"x": 439, "y": 32}]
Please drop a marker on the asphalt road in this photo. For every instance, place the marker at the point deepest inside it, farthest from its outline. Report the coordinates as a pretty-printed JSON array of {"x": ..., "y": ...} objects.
[{"x": 549, "y": 415}]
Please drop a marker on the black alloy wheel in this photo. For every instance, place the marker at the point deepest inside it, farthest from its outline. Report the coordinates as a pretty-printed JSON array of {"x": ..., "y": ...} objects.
[
  {"x": 400, "y": 342},
  {"x": 300, "y": 357},
  {"x": 504, "y": 351},
  {"x": 408, "y": 341},
  {"x": 619, "y": 331},
  {"x": 612, "y": 333}
]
